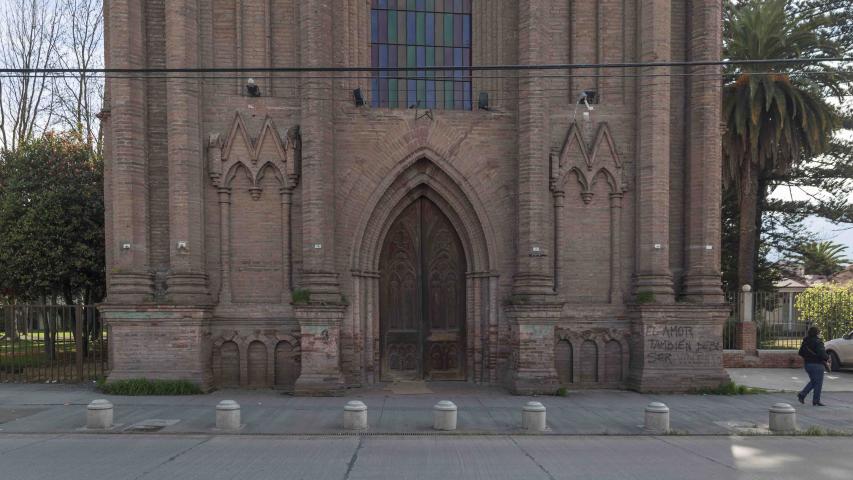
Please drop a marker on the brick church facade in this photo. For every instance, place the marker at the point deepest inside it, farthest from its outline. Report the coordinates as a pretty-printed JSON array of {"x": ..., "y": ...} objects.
[{"x": 275, "y": 233}]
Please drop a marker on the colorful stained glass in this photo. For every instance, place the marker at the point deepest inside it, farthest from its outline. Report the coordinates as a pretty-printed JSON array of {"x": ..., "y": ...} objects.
[{"x": 417, "y": 34}]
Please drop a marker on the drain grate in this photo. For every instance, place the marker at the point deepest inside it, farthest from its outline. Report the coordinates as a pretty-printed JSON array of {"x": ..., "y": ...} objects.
[{"x": 150, "y": 426}]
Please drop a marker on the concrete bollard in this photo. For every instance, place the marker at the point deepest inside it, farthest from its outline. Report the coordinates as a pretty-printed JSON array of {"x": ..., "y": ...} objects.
[
  {"x": 533, "y": 417},
  {"x": 657, "y": 418},
  {"x": 99, "y": 414},
  {"x": 355, "y": 415},
  {"x": 783, "y": 418},
  {"x": 228, "y": 415},
  {"x": 444, "y": 415}
]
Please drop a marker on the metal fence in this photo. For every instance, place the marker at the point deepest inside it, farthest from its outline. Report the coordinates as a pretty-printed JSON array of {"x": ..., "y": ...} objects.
[
  {"x": 779, "y": 324},
  {"x": 51, "y": 343}
]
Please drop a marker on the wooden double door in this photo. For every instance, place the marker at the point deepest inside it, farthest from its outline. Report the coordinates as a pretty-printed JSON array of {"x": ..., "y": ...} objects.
[{"x": 422, "y": 297}]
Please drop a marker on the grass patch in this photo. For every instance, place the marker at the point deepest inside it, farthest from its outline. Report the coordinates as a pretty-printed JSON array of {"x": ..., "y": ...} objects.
[
  {"x": 816, "y": 431},
  {"x": 644, "y": 298},
  {"x": 300, "y": 296},
  {"x": 143, "y": 386},
  {"x": 729, "y": 388}
]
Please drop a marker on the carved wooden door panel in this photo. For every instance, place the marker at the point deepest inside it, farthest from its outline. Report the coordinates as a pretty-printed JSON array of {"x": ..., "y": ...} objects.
[
  {"x": 400, "y": 311},
  {"x": 444, "y": 293},
  {"x": 422, "y": 297}
]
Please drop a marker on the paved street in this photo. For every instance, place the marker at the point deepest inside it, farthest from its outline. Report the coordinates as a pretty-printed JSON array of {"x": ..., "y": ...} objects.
[
  {"x": 483, "y": 410},
  {"x": 591, "y": 435},
  {"x": 115, "y": 457}
]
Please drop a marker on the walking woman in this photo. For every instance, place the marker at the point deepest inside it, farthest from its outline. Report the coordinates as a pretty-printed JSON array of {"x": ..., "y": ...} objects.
[{"x": 815, "y": 358}]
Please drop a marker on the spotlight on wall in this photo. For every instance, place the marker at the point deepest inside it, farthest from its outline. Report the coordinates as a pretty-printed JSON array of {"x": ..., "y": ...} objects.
[
  {"x": 586, "y": 98},
  {"x": 359, "y": 97},
  {"x": 483, "y": 102},
  {"x": 252, "y": 88}
]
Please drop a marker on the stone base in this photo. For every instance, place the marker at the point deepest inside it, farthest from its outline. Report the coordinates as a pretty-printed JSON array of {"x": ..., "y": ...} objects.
[
  {"x": 320, "y": 328},
  {"x": 159, "y": 342},
  {"x": 319, "y": 386},
  {"x": 533, "y": 327},
  {"x": 677, "y": 347}
]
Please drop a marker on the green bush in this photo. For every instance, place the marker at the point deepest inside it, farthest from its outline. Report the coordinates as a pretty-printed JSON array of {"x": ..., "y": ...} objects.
[
  {"x": 562, "y": 392},
  {"x": 729, "y": 388},
  {"x": 645, "y": 298},
  {"x": 829, "y": 307},
  {"x": 143, "y": 386},
  {"x": 300, "y": 297}
]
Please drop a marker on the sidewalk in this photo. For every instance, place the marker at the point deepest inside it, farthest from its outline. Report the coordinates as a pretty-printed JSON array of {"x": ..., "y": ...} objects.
[{"x": 48, "y": 409}]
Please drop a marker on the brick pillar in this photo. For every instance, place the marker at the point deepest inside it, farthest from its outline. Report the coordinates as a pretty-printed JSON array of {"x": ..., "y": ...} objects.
[
  {"x": 126, "y": 161},
  {"x": 320, "y": 346},
  {"x": 653, "y": 275},
  {"x": 318, "y": 172},
  {"x": 320, "y": 320},
  {"x": 534, "y": 269},
  {"x": 704, "y": 161},
  {"x": 187, "y": 281},
  {"x": 533, "y": 327}
]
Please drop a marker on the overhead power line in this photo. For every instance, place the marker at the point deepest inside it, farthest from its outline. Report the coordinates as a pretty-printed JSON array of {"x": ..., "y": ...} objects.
[{"x": 533, "y": 67}]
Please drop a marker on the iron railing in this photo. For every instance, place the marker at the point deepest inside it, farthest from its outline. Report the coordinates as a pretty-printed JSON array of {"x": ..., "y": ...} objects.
[
  {"x": 779, "y": 324},
  {"x": 51, "y": 343}
]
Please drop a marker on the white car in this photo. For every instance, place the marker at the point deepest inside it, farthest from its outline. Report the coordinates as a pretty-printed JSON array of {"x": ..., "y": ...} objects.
[{"x": 841, "y": 351}]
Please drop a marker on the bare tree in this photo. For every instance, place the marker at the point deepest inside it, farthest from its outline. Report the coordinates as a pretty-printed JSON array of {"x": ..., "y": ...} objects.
[
  {"x": 78, "y": 97},
  {"x": 29, "y": 39}
]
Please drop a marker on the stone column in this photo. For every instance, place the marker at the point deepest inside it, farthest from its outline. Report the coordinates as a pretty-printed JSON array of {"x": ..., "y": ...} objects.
[
  {"x": 534, "y": 270},
  {"x": 287, "y": 229},
  {"x": 616, "y": 296},
  {"x": 187, "y": 281},
  {"x": 321, "y": 349},
  {"x": 559, "y": 204},
  {"x": 653, "y": 275},
  {"x": 130, "y": 279},
  {"x": 318, "y": 172},
  {"x": 225, "y": 244},
  {"x": 704, "y": 161}
]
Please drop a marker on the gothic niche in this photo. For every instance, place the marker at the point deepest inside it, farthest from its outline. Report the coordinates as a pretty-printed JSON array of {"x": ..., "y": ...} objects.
[
  {"x": 586, "y": 182},
  {"x": 255, "y": 177},
  {"x": 595, "y": 358}
]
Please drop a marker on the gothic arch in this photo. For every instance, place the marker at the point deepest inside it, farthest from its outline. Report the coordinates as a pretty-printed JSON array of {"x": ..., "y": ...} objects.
[{"x": 424, "y": 173}]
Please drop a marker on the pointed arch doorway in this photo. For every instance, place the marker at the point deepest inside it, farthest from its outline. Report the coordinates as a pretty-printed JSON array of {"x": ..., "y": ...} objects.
[{"x": 422, "y": 297}]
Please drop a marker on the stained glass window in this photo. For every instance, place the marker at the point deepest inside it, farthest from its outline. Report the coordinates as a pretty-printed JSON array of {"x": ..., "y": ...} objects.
[{"x": 421, "y": 33}]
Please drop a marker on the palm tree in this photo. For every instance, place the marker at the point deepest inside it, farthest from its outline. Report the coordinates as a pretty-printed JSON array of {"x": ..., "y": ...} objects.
[
  {"x": 823, "y": 258},
  {"x": 775, "y": 118}
]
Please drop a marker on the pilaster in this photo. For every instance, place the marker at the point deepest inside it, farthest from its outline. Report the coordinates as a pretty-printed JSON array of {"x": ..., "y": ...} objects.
[
  {"x": 533, "y": 332},
  {"x": 130, "y": 279},
  {"x": 159, "y": 342},
  {"x": 534, "y": 267},
  {"x": 677, "y": 347},
  {"x": 318, "y": 173},
  {"x": 320, "y": 345},
  {"x": 187, "y": 281},
  {"x": 704, "y": 162},
  {"x": 653, "y": 276}
]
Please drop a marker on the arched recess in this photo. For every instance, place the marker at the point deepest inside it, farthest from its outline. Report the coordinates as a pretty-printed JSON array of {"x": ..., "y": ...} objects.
[
  {"x": 589, "y": 362},
  {"x": 255, "y": 176},
  {"x": 563, "y": 361},
  {"x": 425, "y": 174},
  {"x": 613, "y": 362},
  {"x": 226, "y": 365},
  {"x": 588, "y": 188},
  {"x": 256, "y": 364}
]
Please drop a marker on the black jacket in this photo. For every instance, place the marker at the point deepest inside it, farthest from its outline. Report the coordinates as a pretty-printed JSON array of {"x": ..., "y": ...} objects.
[{"x": 813, "y": 351}]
